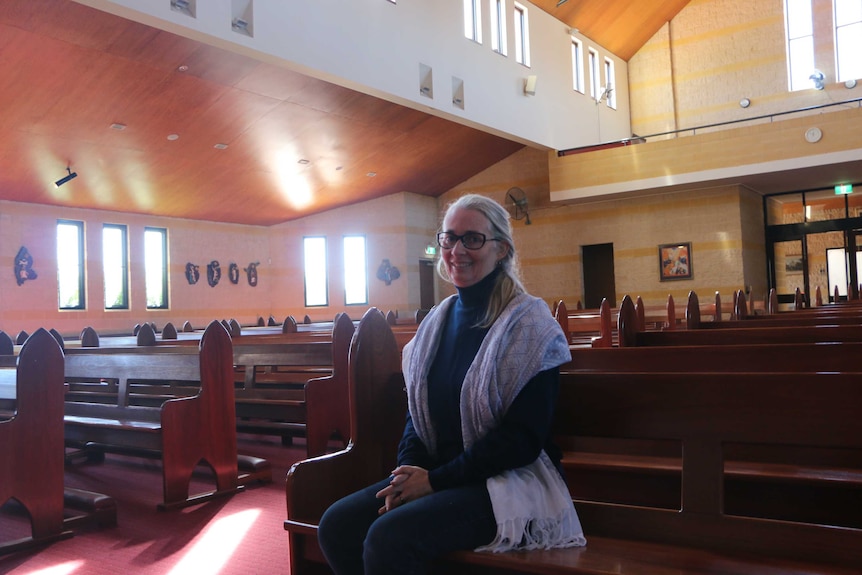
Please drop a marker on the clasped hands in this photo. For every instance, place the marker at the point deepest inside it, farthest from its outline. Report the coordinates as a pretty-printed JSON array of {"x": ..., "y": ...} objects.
[{"x": 408, "y": 483}]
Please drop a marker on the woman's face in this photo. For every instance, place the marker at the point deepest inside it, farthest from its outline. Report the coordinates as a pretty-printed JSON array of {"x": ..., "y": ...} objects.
[{"x": 467, "y": 267}]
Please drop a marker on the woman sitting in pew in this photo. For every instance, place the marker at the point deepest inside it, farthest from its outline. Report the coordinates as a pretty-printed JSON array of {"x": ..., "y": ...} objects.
[{"x": 476, "y": 466}]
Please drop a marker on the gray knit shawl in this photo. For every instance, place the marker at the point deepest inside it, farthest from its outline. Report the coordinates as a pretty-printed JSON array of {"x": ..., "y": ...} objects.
[{"x": 532, "y": 504}]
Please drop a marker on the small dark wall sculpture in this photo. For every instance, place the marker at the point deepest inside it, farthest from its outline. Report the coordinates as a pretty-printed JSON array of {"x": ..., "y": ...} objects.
[
  {"x": 193, "y": 273},
  {"x": 233, "y": 273},
  {"x": 387, "y": 272},
  {"x": 213, "y": 273},
  {"x": 24, "y": 266},
  {"x": 251, "y": 272}
]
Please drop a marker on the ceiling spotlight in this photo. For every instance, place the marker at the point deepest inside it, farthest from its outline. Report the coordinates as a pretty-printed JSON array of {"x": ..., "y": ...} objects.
[
  {"x": 561, "y": 2},
  {"x": 70, "y": 175}
]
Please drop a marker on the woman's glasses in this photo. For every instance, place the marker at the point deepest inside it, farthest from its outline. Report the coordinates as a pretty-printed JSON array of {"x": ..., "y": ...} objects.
[{"x": 470, "y": 240}]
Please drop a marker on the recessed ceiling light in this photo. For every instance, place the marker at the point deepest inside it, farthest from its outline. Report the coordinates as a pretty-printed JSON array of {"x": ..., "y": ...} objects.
[
  {"x": 371, "y": 174},
  {"x": 173, "y": 137},
  {"x": 220, "y": 146},
  {"x": 338, "y": 167},
  {"x": 303, "y": 161},
  {"x": 118, "y": 127},
  {"x": 183, "y": 68}
]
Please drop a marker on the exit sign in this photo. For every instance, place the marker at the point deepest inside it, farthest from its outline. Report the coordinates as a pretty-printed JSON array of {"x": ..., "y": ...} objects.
[{"x": 844, "y": 189}]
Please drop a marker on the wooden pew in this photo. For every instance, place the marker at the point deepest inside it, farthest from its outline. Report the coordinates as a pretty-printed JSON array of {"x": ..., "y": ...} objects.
[
  {"x": 803, "y": 317},
  {"x": 31, "y": 444},
  {"x": 31, "y": 441},
  {"x": 376, "y": 389},
  {"x": 288, "y": 398},
  {"x": 599, "y": 328},
  {"x": 722, "y": 515},
  {"x": 758, "y": 333},
  {"x": 181, "y": 431},
  {"x": 734, "y": 446},
  {"x": 281, "y": 378},
  {"x": 763, "y": 357}
]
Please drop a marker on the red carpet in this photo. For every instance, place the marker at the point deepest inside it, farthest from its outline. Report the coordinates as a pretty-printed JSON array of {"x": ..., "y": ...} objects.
[{"x": 241, "y": 534}]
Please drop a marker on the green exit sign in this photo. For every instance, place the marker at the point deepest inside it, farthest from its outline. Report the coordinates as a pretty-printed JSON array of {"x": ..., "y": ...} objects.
[{"x": 844, "y": 189}]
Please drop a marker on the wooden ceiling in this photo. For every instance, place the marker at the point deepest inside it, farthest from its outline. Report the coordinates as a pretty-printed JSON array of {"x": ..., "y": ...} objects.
[
  {"x": 72, "y": 76},
  {"x": 620, "y": 26}
]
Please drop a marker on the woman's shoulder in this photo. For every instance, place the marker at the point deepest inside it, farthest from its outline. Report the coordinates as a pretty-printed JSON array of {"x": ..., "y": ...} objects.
[{"x": 531, "y": 304}]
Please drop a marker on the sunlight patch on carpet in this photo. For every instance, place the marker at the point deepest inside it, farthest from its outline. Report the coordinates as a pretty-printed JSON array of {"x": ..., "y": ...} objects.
[
  {"x": 216, "y": 545},
  {"x": 61, "y": 569}
]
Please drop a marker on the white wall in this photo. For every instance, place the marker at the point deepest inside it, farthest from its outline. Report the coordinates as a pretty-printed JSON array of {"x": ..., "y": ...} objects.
[{"x": 376, "y": 47}]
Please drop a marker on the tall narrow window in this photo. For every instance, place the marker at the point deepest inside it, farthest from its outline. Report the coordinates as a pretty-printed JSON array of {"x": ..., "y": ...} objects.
[
  {"x": 115, "y": 266},
  {"x": 800, "y": 43},
  {"x": 595, "y": 80},
  {"x": 610, "y": 84},
  {"x": 522, "y": 35},
  {"x": 473, "y": 20},
  {"x": 498, "y": 26},
  {"x": 577, "y": 65},
  {"x": 70, "y": 264},
  {"x": 848, "y": 39},
  {"x": 355, "y": 271},
  {"x": 156, "y": 267},
  {"x": 314, "y": 253}
]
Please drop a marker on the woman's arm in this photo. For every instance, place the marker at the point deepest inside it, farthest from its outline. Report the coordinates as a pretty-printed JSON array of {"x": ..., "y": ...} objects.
[
  {"x": 516, "y": 442},
  {"x": 411, "y": 450}
]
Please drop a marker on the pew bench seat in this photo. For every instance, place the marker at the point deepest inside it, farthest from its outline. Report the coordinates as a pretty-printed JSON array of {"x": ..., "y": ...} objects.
[
  {"x": 295, "y": 387},
  {"x": 181, "y": 431},
  {"x": 609, "y": 555}
]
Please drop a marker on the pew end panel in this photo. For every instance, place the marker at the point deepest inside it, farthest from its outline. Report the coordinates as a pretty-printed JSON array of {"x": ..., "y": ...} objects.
[
  {"x": 31, "y": 442},
  {"x": 212, "y": 412},
  {"x": 376, "y": 388},
  {"x": 198, "y": 427},
  {"x": 327, "y": 398}
]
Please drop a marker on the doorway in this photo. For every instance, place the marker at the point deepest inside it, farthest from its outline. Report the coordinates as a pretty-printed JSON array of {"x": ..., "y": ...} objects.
[
  {"x": 426, "y": 284},
  {"x": 599, "y": 279},
  {"x": 817, "y": 260}
]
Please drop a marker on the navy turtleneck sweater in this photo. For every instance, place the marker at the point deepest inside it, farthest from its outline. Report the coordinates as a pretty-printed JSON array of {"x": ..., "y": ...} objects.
[{"x": 525, "y": 429}]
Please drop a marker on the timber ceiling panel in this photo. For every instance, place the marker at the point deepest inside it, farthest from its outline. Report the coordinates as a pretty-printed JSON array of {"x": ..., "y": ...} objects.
[{"x": 68, "y": 72}]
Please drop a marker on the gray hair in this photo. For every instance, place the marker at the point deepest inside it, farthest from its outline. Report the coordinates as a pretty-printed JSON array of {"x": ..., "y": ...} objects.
[{"x": 508, "y": 284}]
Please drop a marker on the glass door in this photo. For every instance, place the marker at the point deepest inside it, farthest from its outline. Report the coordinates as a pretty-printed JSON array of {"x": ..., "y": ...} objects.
[{"x": 790, "y": 268}]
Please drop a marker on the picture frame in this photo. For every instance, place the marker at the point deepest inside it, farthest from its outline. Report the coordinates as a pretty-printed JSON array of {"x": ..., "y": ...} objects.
[
  {"x": 675, "y": 262},
  {"x": 793, "y": 263}
]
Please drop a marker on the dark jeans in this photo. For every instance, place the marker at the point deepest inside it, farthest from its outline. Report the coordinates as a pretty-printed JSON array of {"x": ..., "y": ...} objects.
[{"x": 405, "y": 540}]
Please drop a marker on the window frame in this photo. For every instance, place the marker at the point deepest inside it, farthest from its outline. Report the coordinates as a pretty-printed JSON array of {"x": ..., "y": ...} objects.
[
  {"x": 851, "y": 72},
  {"x": 473, "y": 20},
  {"x": 521, "y": 31},
  {"x": 305, "y": 271},
  {"x": 81, "y": 303},
  {"x": 346, "y": 261},
  {"x": 123, "y": 266},
  {"x": 797, "y": 44},
  {"x": 610, "y": 81},
  {"x": 163, "y": 283},
  {"x": 595, "y": 74},
  {"x": 578, "y": 65},
  {"x": 499, "y": 37}
]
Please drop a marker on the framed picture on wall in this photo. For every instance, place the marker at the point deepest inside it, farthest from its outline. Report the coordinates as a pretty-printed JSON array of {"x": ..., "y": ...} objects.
[
  {"x": 674, "y": 261},
  {"x": 793, "y": 263}
]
